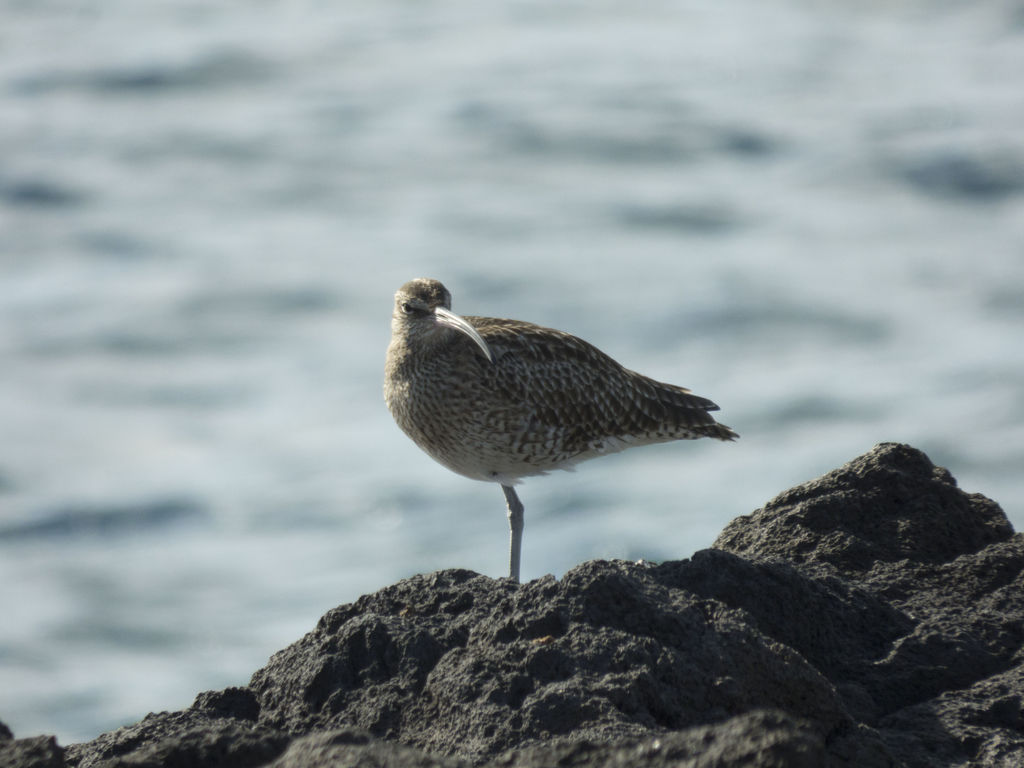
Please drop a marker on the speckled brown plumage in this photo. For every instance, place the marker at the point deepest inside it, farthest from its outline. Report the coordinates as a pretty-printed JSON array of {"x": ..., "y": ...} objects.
[{"x": 499, "y": 400}]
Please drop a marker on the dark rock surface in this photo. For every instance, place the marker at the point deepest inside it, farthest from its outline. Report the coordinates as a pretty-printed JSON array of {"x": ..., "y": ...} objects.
[
  {"x": 871, "y": 617},
  {"x": 36, "y": 752}
]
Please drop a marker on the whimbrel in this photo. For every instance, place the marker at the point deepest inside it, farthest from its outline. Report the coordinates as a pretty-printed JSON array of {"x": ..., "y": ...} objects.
[{"x": 499, "y": 400}]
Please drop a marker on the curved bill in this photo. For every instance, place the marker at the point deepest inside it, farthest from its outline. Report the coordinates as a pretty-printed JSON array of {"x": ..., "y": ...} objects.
[{"x": 451, "y": 320}]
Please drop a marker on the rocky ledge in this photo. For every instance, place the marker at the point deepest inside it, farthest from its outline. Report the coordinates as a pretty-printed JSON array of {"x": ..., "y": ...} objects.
[{"x": 871, "y": 617}]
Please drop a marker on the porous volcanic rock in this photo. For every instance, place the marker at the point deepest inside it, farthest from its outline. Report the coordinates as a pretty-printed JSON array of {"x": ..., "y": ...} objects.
[{"x": 871, "y": 617}]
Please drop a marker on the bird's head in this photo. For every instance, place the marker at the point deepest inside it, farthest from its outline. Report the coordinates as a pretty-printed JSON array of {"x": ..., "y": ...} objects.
[{"x": 423, "y": 313}]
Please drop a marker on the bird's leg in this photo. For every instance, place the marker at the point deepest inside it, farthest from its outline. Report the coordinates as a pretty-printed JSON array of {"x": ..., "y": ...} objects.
[{"x": 515, "y": 526}]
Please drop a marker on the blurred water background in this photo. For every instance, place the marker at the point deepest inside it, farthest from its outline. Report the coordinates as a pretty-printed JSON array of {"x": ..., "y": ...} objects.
[{"x": 810, "y": 212}]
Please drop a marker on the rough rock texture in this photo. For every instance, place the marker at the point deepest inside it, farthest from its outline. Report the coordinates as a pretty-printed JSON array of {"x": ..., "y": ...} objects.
[
  {"x": 871, "y": 617},
  {"x": 37, "y": 752}
]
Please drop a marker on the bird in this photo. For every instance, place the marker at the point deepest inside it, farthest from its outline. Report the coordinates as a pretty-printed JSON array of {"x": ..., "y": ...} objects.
[{"x": 500, "y": 400}]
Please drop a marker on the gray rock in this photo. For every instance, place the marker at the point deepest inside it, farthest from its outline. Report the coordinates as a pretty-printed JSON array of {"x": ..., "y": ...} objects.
[
  {"x": 940, "y": 682},
  {"x": 871, "y": 617},
  {"x": 757, "y": 738},
  {"x": 460, "y": 664},
  {"x": 352, "y": 747},
  {"x": 195, "y": 737},
  {"x": 35, "y": 752}
]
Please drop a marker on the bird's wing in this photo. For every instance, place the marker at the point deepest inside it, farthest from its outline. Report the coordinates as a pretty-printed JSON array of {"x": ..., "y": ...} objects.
[{"x": 568, "y": 385}]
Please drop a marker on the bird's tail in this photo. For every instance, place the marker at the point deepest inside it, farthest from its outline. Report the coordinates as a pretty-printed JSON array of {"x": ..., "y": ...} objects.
[{"x": 688, "y": 413}]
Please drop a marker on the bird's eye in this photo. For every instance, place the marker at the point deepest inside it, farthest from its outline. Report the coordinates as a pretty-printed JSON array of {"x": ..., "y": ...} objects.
[{"x": 408, "y": 308}]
